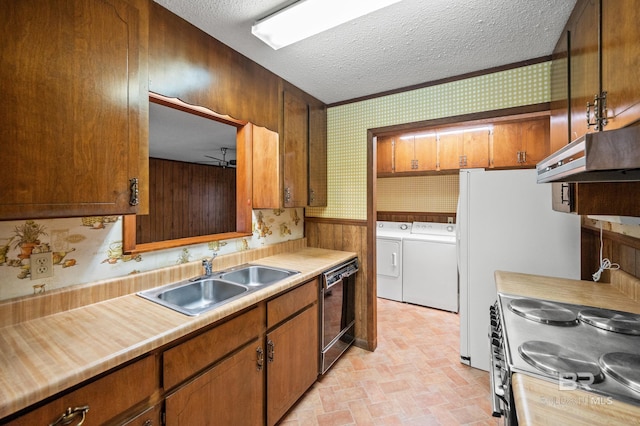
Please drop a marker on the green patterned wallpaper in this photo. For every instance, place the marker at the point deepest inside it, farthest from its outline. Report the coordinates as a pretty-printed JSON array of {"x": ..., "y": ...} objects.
[{"x": 347, "y": 125}]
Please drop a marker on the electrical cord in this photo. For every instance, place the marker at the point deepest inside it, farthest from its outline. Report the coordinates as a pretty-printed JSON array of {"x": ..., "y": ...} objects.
[{"x": 604, "y": 263}]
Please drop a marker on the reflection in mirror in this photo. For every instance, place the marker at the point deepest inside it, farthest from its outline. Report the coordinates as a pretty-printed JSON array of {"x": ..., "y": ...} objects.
[{"x": 192, "y": 176}]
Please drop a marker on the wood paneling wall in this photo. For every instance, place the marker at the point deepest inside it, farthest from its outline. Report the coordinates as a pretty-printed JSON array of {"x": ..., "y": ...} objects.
[
  {"x": 618, "y": 248},
  {"x": 415, "y": 217},
  {"x": 187, "y": 200},
  {"x": 187, "y": 63},
  {"x": 350, "y": 235}
]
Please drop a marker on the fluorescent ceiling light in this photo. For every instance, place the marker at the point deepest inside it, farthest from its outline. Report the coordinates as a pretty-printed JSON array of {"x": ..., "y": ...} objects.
[{"x": 306, "y": 18}]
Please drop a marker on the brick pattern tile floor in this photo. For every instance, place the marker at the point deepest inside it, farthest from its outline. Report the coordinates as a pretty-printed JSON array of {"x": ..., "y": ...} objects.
[{"x": 414, "y": 377}]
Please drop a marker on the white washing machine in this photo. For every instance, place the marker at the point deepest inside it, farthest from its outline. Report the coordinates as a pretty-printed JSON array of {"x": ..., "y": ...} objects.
[
  {"x": 389, "y": 258},
  {"x": 430, "y": 271}
]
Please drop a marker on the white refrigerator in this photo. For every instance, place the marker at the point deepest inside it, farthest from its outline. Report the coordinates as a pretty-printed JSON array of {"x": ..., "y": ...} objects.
[{"x": 505, "y": 222}]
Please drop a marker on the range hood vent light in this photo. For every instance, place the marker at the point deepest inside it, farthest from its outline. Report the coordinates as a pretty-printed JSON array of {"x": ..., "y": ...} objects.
[{"x": 606, "y": 156}]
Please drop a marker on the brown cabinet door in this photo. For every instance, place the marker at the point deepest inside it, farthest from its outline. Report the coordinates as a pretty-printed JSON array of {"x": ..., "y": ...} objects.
[
  {"x": 559, "y": 121},
  {"x": 317, "y": 156},
  {"x": 449, "y": 150},
  {"x": 296, "y": 119},
  {"x": 584, "y": 70},
  {"x": 621, "y": 61},
  {"x": 70, "y": 127},
  {"x": 476, "y": 149},
  {"x": 384, "y": 152},
  {"x": 231, "y": 394},
  {"x": 426, "y": 152},
  {"x": 292, "y": 362},
  {"x": 507, "y": 143},
  {"x": 404, "y": 154},
  {"x": 535, "y": 141},
  {"x": 563, "y": 197},
  {"x": 266, "y": 176}
]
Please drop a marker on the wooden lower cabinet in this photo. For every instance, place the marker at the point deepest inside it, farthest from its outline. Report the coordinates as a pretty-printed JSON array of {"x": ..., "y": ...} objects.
[
  {"x": 268, "y": 355},
  {"x": 150, "y": 417},
  {"x": 248, "y": 370},
  {"x": 230, "y": 393},
  {"x": 107, "y": 400},
  {"x": 292, "y": 367}
]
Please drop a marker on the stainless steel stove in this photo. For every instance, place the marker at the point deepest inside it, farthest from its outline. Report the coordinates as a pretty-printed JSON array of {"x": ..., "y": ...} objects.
[{"x": 577, "y": 347}]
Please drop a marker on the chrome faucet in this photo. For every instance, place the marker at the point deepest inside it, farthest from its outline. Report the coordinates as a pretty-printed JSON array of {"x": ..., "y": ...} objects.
[{"x": 208, "y": 265}]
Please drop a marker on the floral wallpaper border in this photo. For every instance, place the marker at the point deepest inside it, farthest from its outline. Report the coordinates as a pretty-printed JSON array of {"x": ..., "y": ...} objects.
[{"x": 89, "y": 249}]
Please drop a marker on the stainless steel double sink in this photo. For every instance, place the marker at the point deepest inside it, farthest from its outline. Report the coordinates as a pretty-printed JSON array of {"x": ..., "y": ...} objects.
[{"x": 201, "y": 294}]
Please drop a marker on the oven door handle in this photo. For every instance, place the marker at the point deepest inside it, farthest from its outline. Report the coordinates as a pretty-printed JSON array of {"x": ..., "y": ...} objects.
[
  {"x": 336, "y": 282},
  {"x": 495, "y": 392}
]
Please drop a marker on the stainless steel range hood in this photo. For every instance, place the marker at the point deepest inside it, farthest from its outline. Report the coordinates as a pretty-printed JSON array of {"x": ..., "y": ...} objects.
[{"x": 607, "y": 156}]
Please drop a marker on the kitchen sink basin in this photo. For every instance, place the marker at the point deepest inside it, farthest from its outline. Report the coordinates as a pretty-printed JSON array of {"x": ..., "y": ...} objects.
[
  {"x": 256, "y": 275},
  {"x": 195, "y": 297},
  {"x": 204, "y": 293}
]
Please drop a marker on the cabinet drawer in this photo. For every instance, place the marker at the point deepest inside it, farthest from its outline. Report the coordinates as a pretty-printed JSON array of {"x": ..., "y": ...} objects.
[
  {"x": 289, "y": 303},
  {"x": 106, "y": 398},
  {"x": 195, "y": 354}
]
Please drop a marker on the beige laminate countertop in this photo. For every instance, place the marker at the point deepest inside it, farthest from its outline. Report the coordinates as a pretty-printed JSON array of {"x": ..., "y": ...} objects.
[
  {"x": 539, "y": 402},
  {"x": 44, "y": 356}
]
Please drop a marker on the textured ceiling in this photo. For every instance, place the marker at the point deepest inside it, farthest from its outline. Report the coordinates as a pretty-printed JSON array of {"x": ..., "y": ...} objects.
[{"x": 408, "y": 43}]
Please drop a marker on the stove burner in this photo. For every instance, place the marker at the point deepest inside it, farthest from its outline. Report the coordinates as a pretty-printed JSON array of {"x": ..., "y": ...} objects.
[
  {"x": 560, "y": 362},
  {"x": 624, "y": 367},
  {"x": 619, "y": 322},
  {"x": 543, "y": 312}
]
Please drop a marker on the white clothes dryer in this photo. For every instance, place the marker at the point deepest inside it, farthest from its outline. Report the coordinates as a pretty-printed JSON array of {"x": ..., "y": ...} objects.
[{"x": 429, "y": 263}]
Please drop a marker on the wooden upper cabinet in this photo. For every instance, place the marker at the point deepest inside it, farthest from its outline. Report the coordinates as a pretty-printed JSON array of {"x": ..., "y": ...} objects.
[
  {"x": 317, "y": 155},
  {"x": 520, "y": 143},
  {"x": 295, "y": 137},
  {"x": 71, "y": 120},
  {"x": 416, "y": 153},
  {"x": 426, "y": 152},
  {"x": 449, "y": 150},
  {"x": 460, "y": 148},
  {"x": 601, "y": 38},
  {"x": 267, "y": 179},
  {"x": 583, "y": 70},
  {"x": 403, "y": 154},
  {"x": 559, "y": 82},
  {"x": 621, "y": 61},
  {"x": 384, "y": 154},
  {"x": 475, "y": 148}
]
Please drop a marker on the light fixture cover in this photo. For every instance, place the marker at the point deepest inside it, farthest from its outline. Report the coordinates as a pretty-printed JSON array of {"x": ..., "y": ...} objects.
[{"x": 306, "y": 18}]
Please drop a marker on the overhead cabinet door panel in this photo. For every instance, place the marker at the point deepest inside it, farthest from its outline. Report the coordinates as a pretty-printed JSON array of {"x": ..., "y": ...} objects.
[{"x": 70, "y": 129}]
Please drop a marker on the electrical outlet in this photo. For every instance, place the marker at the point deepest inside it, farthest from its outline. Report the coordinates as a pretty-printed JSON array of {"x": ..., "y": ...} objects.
[{"x": 41, "y": 265}]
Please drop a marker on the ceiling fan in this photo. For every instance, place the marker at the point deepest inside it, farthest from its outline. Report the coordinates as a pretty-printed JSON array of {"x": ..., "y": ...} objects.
[{"x": 222, "y": 162}]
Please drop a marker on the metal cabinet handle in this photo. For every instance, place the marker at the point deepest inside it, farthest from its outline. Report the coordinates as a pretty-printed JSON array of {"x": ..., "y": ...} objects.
[
  {"x": 394, "y": 261},
  {"x": 564, "y": 187},
  {"x": 70, "y": 415},
  {"x": 312, "y": 195},
  {"x": 134, "y": 198},
  {"x": 260, "y": 360},
  {"x": 287, "y": 195},
  {"x": 523, "y": 156},
  {"x": 270, "y": 350}
]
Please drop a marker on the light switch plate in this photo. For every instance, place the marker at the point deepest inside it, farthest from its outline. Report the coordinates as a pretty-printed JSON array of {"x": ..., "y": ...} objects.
[{"x": 41, "y": 265}]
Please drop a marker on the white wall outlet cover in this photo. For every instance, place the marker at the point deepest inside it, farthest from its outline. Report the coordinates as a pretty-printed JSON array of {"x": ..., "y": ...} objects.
[{"x": 41, "y": 265}]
